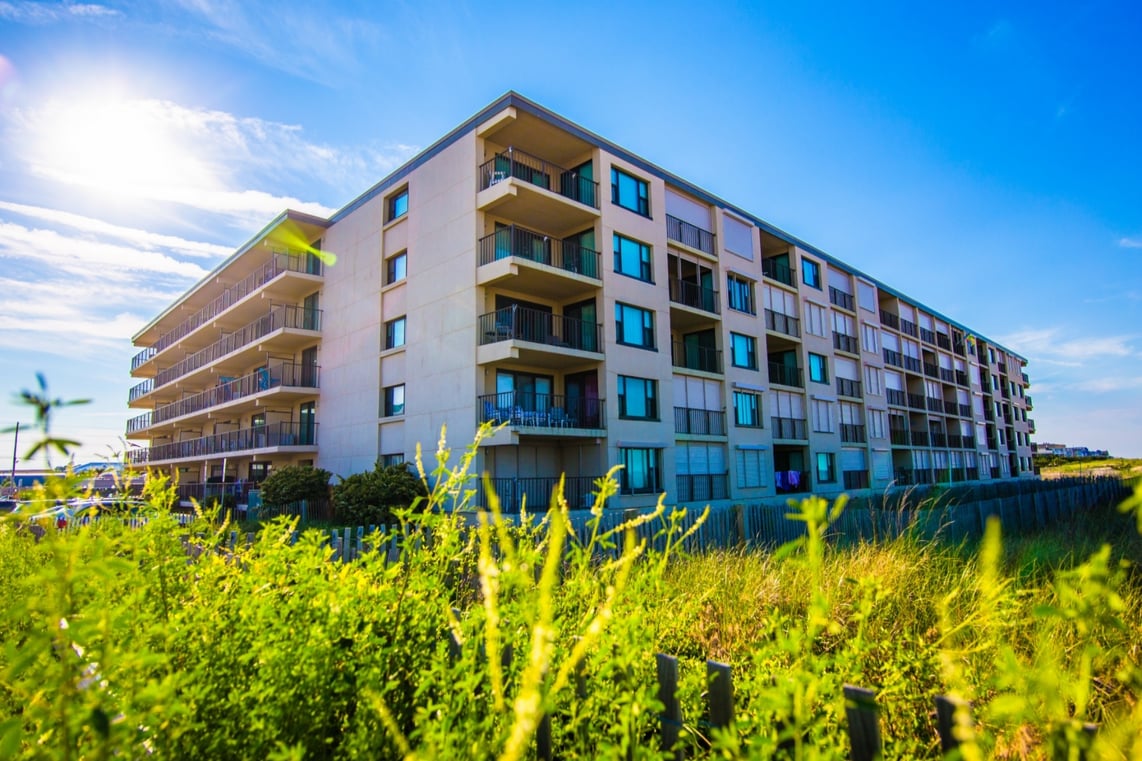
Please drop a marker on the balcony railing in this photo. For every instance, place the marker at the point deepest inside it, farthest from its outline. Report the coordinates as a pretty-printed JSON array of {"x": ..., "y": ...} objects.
[
  {"x": 965, "y": 410},
  {"x": 897, "y": 397},
  {"x": 690, "y": 235},
  {"x": 1027, "y": 401},
  {"x": 947, "y": 375},
  {"x": 785, "y": 375},
  {"x": 791, "y": 481},
  {"x": 840, "y": 298},
  {"x": 700, "y": 487},
  {"x": 692, "y": 357},
  {"x": 935, "y": 405},
  {"x": 845, "y": 342},
  {"x": 900, "y": 437},
  {"x": 956, "y": 441},
  {"x": 961, "y": 378},
  {"x": 889, "y": 319},
  {"x": 943, "y": 341},
  {"x": 855, "y": 479},
  {"x": 916, "y": 401},
  {"x": 988, "y": 413},
  {"x": 693, "y": 295},
  {"x": 578, "y": 492},
  {"x": 914, "y": 476},
  {"x": 775, "y": 270},
  {"x": 1026, "y": 379},
  {"x": 1030, "y": 425},
  {"x": 699, "y": 422},
  {"x": 847, "y": 387},
  {"x": 789, "y": 428},
  {"x": 1002, "y": 367},
  {"x": 927, "y": 336},
  {"x": 782, "y": 323},
  {"x": 523, "y": 409},
  {"x": 535, "y": 171},
  {"x": 939, "y": 439},
  {"x": 264, "y": 379},
  {"x": 279, "y": 317},
  {"x": 931, "y": 369},
  {"x": 919, "y": 438},
  {"x": 528, "y": 244},
  {"x": 231, "y": 442},
  {"x": 951, "y": 408},
  {"x": 913, "y": 364},
  {"x": 894, "y": 358},
  {"x": 516, "y": 323},
  {"x": 282, "y": 262},
  {"x": 852, "y": 434},
  {"x": 909, "y": 328}
]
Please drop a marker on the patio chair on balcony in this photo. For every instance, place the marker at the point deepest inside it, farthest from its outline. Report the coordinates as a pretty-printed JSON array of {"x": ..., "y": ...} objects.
[
  {"x": 557, "y": 418},
  {"x": 493, "y": 414}
]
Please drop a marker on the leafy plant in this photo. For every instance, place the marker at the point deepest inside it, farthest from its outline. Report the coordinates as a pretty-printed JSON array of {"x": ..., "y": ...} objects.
[
  {"x": 370, "y": 498},
  {"x": 294, "y": 483}
]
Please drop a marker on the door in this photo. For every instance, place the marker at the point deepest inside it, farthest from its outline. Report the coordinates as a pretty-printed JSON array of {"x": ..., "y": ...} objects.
[
  {"x": 580, "y": 326},
  {"x": 308, "y": 368},
  {"x": 307, "y": 426},
  {"x": 579, "y": 254},
  {"x": 582, "y": 392}
]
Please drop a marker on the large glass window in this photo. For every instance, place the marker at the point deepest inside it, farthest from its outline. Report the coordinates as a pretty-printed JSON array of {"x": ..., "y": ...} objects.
[
  {"x": 395, "y": 267},
  {"x": 630, "y": 192},
  {"x": 747, "y": 409},
  {"x": 394, "y": 333},
  {"x": 740, "y": 294},
  {"x": 638, "y": 398},
  {"x": 826, "y": 469},
  {"x": 634, "y": 326},
  {"x": 397, "y": 205},
  {"x": 640, "y": 473},
  {"x": 818, "y": 368},
  {"x": 811, "y": 273},
  {"x": 632, "y": 258},
  {"x": 743, "y": 351},
  {"x": 394, "y": 400}
]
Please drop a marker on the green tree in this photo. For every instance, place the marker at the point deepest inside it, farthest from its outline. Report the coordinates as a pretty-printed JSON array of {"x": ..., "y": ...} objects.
[
  {"x": 370, "y": 497},
  {"x": 294, "y": 483}
]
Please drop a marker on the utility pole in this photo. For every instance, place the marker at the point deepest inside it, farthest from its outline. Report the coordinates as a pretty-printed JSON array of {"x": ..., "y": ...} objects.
[{"x": 15, "y": 444}]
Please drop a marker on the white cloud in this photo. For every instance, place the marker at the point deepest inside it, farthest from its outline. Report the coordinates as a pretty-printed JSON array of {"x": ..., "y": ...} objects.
[
  {"x": 48, "y": 13},
  {"x": 1104, "y": 385},
  {"x": 1130, "y": 242},
  {"x": 1049, "y": 344}
]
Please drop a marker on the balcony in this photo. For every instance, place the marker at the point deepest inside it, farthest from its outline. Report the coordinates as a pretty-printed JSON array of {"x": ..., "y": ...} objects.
[
  {"x": 900, "y": 437},
  {"x": 696, "y": 422},
  {"x": 956, "y": 441},
  {"x": 789, "y": 428},
  {"x": 537, "y": 264},
  {"x": 964, "y": 410},
  {"x": 943, "y": 341},
  {"x": 785, "y": 375},
  {"x": 909, "y": 328},
  {"x": 841, "y": 299},
  {"x": 1030, "y": 425},
  {"x": 853, "y": 434},
  {"x": 521, "y": 186},
  {"x": 914, "y": 476},
  {"x": 775, "y": 270},
  {"x": 889, "y": 319},
  {"x": 1026, "y": 379},
  {"x": 1002, "y": 367},
  {"x": 894, "y": 358},
  {"x": 691, "y": 236},
  {"x": 782, "y": 323},
  {"x": 951, "y": 408},
  {"x": 282, "y": 377},
  {"x": 935, "y": 405},
  {"x": 947, "y": 375},
  {"x": 791, "y": 482},
  {"x": 927, "y": 336},
  {"x": 538, "y": 338},
  {"x": 938, "y": 439},
  {"x": 513, "y": 493},
  {"x": 989, "y": 413},
  {"x": 962, "y": 378},
  {"x": 701, "y": 487},
  {"x": 293, "y": 437},
  {"x": 1027, "y": 401},
  {"x": 931, "y": 369},
  {"x": 306, "y": 272},
  {"x": 846, "y": 343},
  {"x": 913, "y": 364},
  {"x": 695, "y": 296},
  {"x": 896, "y": 397},
  {"x": 287, "y": 327},
  {"x": 919, "y": 438},
  {"x": 700, "y": 358},
  {"x": 855, "y": 479},
  {"x": 543, "y": 414},
  {"x": 916, "y": 402},
  {"x": 847, "y": 387}
]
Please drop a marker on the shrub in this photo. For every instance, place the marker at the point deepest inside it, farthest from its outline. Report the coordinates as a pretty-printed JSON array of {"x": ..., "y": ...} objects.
[
  {"x": 370, "y": 497},
  {"x": 294, "y": 483}
]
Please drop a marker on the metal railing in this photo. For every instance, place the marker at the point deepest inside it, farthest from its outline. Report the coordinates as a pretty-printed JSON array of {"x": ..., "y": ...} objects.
[
  {"x": 951, "y": 408},
  {"x": 947, "y": 375},
  {"x": 785, "y": 375},
  {"x": 525, "y": 409},
  {"x": 961, "y": 378},
  {"x": 789, "y": 428},
  {"x": 578, "y": 492},
  {"x": 693, "y": 295},
  {"x": 935, "y": 405},
  {"x": 241, "y": 440},
  {"x": 909, "y": 328},
  {"x": 943, "y": 341},
  {"x": 692, "y": 487},
  {"x": 914, "y": 476},
  {"x": 847, "y": 387},
  {"x": 938, "y": 439},
  {"x": 852, "y": 434},
  {"x": 282, "y": 262},
  {"x": 896, "y": 396},
  {"x": 900, "y": 437},
  {"x": 913, "y": 364},
  {"x": 855, "y": 479},
  {"x": 845, "y": 342},
  {"x": 523, "y": 243},
  {"x": 516, "y": 323},
  {"x": 841, "y": 299},
  {"x": 964, "y": 410},
  {"x": 775, "y": 270},
  {"x": 916, "y": 401},
  {"x": 544, "y": 174},
  {"x": 690, "y": 235},
  {"x": 782, "y": 323},
  {"x": 263, "y": 379},
  {"x": 695, "y": 357},
  {"x": 894, "y": 358},
  {"x": 919, "y": 438},
  {"x": 927, "y": 336},
  {"x": 890, "y": 319},
  {"x": 699, "y": 422}
]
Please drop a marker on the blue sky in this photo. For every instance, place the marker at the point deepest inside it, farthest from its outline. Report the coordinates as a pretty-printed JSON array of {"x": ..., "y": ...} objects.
[{"x": 981, "y": 157}]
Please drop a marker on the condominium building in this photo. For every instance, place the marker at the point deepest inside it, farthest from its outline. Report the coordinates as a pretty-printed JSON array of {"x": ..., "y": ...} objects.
[{"x": 525, "y": 271}]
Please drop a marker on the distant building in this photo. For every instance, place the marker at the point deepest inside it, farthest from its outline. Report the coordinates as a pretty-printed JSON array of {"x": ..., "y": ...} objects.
[
  {"x": 525, "y": 271},
  {"x": 1062, "y": 450}
]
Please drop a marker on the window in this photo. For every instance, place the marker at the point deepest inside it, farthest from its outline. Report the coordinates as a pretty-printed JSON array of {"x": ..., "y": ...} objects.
[
  {"x": 814, "y": 319},
  {"x": 818, "y": 368},
  {"x": 826, "y": 469},
  {"x": 873, "y": 380},
  {"x": 750, "y": 465},
  {"x": 638, "y": 398},
  {"x": 395, "y": 267},
  {"x": 640, "y": 473},
  {"x": 822, "y": 412},
  {"x": 747, "y": 409},
  {"x": 634, "y": 326},
  {"x": 876, "y": 420},
  {"x": 630, "y": 192},
  {"x": 394, "y": 400},
  {"x": 389, "y": 460},
  {"x": 632, "y": 258},
  {"x": 394, "y": 333},
  {"x": 871, "y": 338},
  {"x": 811, "y": 273},
  {"x": 740, "y": 294},
  {"x": 743, "y": 351},
  {"x": 397, "y": 205}
]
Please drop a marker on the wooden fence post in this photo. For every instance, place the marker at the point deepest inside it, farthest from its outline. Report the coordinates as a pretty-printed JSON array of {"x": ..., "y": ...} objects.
[
  {"x": 721, "y": 686},
  {"x": 864, "y": 728},
  {"x": 946, "y": 708},
  {"x": 671, "y": 719}
]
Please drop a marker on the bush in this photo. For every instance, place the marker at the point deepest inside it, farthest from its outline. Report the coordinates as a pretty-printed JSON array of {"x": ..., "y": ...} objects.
[
  {"x": 294, "y": 483},
  {"x": 370, "y": 497}
]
